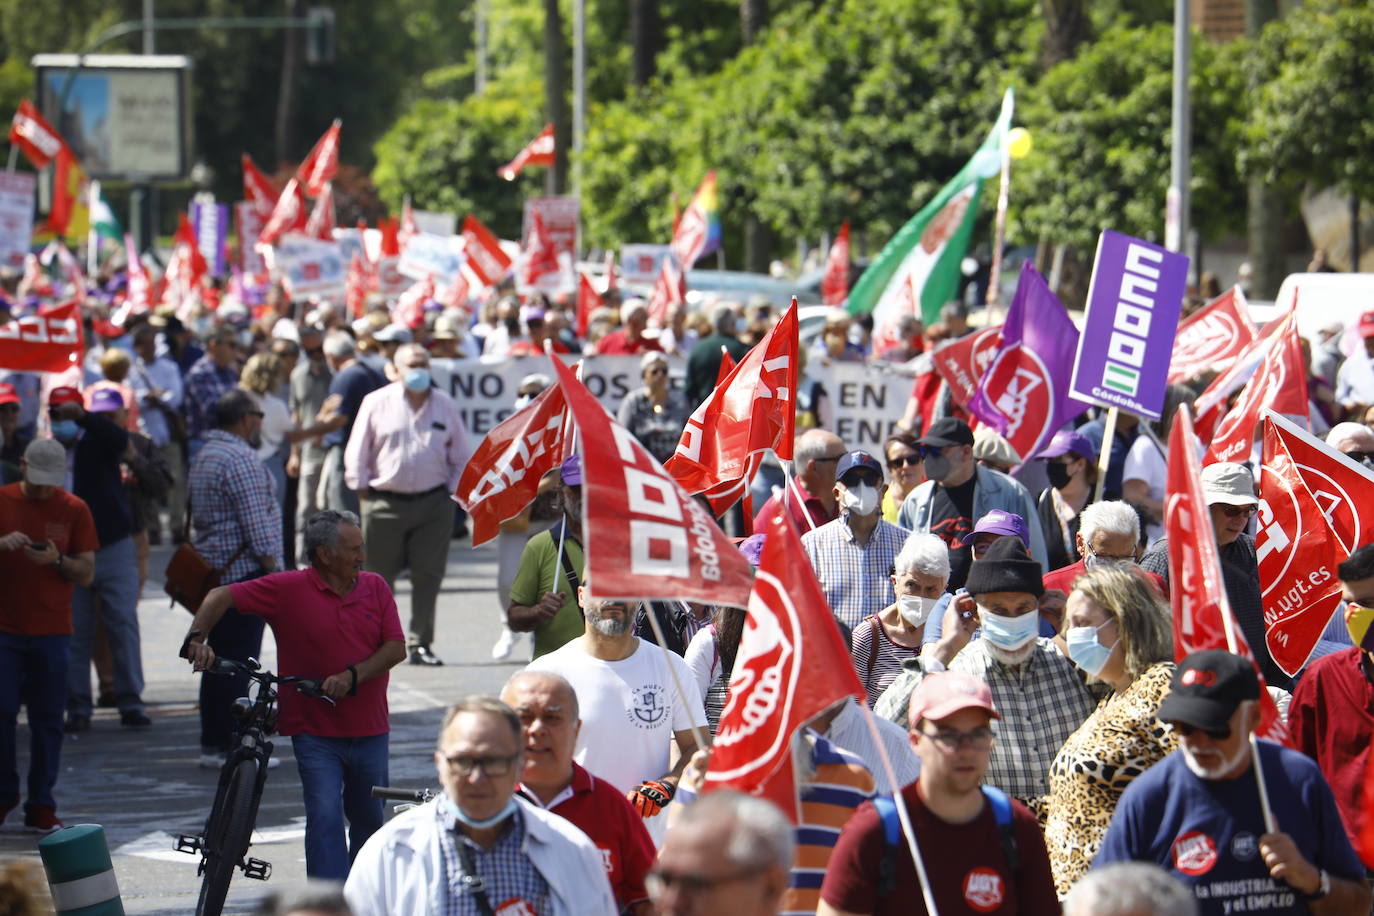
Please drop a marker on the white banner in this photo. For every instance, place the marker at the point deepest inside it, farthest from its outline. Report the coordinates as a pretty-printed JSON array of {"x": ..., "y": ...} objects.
[
  {"x": 310, "y": 267},
  {"x": 16, "y": 217},
  {"x": 864, "y": 402},
  {"x": 437, "y": 256}
]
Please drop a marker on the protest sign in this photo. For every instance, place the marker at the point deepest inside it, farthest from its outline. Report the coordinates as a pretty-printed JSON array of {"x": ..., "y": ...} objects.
[
  {"x": 47, "y": 342},
  {"x": 211, "y": 224},
  {"x": 16, "y": 217},
  {"x": 310, "y": 267},
  {"x": 250, "y": 223},
  {"x": 437, "y": 256},
  {"x": 639, "y": 264},
  {"x": 1134, "y": 300}
]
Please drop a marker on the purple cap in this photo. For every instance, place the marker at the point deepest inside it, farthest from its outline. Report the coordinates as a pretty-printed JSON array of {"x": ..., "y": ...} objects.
[
  {"x": 1069, "y": 440},
  {"x": 999, "y": 522},
  {"x": 752, "y": 548},
  {"x": 106, "y": 400},
  {"x": 571, "y": 471},
  {"x": 863, "y": 460}
]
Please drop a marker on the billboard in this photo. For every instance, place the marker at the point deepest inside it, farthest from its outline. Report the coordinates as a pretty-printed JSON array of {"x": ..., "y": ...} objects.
[{"x": 127, "y": 117}]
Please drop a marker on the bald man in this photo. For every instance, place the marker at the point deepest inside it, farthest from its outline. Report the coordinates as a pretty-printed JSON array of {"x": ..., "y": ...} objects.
[
  {"x": 1355, "y": 441},
  {"x": 547, "y": 706}
]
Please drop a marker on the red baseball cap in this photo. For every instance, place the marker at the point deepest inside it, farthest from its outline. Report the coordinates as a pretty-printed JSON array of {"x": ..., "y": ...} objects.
[
  {"x": 1367, "y": 324},
  {"x": 7, "y": 394},
  {"x": 64, "y": 395},
  {"x": 942, "y": 694}
]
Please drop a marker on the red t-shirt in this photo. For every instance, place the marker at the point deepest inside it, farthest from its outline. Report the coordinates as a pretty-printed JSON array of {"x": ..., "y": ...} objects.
[
  {"x": 318, "y": 634},
  {"x": 612, "y": 824},
  {"x": 1064, "y": 578},
  {"x": 617, "y": 343},
  {"x": 35, "y": 600},
  {"x": 967, "y": 868},
  {"x": 1332, "y": 720}
]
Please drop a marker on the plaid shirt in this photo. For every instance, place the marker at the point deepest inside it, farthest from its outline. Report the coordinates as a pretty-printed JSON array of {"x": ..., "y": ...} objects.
[
  {"x": 233, "y": 504},
  {"x": 855, "y": 578},
  {"x": 204, "y": 383},
  {"x": 506, "y": 872},
  {"x": 1041, "y": 703}
]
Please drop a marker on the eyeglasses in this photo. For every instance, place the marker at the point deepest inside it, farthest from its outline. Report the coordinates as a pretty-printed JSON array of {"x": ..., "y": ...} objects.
[
  {"x": 257, "y": 413},
  {"x": 1359, "y": 456},
  {"x": 1097, "y": 560},
  {"x": 980, "y": 739},
  {"x": 827, "y": 459},
  {"x": 1237, "y": 511},
  {"x": 490, "y": 766},
  {"x": 929, "y": 451},
  {"x": 1184, "y": 730},
  {"x": 905, "y": 461},
  {"x": 658, "y": 881}
]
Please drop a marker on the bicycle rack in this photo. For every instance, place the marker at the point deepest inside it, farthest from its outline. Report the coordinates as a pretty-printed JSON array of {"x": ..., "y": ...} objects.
[
  {"x": 188, "y": 844},
  {"x": 257, "y": 869}
]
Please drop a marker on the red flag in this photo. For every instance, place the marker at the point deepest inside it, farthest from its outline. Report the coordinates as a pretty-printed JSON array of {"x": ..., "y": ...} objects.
[
  {"x": 322, "y": 163},
  {"x": 139, "y": 295},
  {"x": 754, "y": 409},
  {"x": 355, "y": 287},
  {"x": 1280, "y": 384},
  {"x": 727, "y": 365},
  {"x": 1298, "y": 553},
  {"x": 1211, "y": 405},
  {"x": 288, "y": 215},
  {"x": 961, "y": 363},
  {"x": 541, "y": 257},
  {"x": 257, "y": 189},
  {"x": 50, "y": 341},
  {"x": 410, "y": 305},
  {"x": 391, "y": 237},
  {"x": 36, "y": 138},
  {"x": 321, "y": 222},
  {"x": 457, "y": 293},
  {"x": 1196, "y": 589},
  {"x": 502, "y": 476},
  {"x": 835, "y": 283},
  {"x": 587, "y": 301},
  {"x": 697, "y": 232},
  {"x": 485, "y": 256},
  {"x": 1343, "y": 489},
  {"x": 1213, "y": 336},
  {"x": 670, "y": 288},
  {"x": 69, "y": 197},
  {"x": 644, "y": 536},
  {"x": 791, "y": 666},
  {"x": 187, "y": 265},
  {"x": 540, "y": 151},
  {"x": 408, "y": 229}
]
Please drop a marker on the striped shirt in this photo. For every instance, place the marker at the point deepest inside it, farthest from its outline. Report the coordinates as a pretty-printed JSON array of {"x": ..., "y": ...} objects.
[
  {"x": 855, "y": 577},
  {"x": 877, "y": 666},
  {"x": 233, "y": 505},
  {"x": 850, "y": 731},
  {"x": 205, "y": 382},
  {"x": 841, "y": 783},
  {"x": 506, "y": 872}
]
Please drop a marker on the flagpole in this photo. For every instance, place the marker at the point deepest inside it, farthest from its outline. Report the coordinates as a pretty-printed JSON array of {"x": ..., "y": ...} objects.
[
  {"x": 1000, "y": 229},
  {"x": 900, "y": 803},
  {"x": 698, "y": 735},
  {"x": 14, "y": 156},
  {"x": 789, "y": 489},
  {"x": 1104, "y": 457}
]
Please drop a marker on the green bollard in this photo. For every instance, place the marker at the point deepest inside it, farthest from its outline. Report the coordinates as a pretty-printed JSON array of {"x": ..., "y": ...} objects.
[{"x": 80, "y": 873}]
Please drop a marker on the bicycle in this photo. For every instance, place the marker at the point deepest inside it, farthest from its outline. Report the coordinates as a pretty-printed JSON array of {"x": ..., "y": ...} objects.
[
  {"x": 405, "y": 798},
  {"x": 223, "y": 845}
]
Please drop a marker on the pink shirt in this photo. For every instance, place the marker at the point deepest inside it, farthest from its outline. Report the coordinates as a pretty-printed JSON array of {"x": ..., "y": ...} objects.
[
  {"x": 318, "y": 634},
  {"x": 395, "y": 447}
]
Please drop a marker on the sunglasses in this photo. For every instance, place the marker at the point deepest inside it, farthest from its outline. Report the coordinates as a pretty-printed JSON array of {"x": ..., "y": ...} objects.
[
  {"x": 1238, "y": 511},
  {"x": 905, "y": 461},
  {"x": 1184, "y": 730},
  {"x": 1359, "y": 456},
  {"x": 929, "y": 451}
]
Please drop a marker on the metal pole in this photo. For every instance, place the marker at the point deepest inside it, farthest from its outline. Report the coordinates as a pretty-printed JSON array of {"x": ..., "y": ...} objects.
[
  {"x": 1179, "y": 203},
  {"x": 480, "y": 78},
  {"x": 149, "y": 43},
  {"x": 1354, "y": 233},
  {"x": 579, "y": 87}
]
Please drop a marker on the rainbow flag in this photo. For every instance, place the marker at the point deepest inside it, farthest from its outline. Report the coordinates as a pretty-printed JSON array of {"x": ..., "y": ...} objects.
[{"x": 698, "y": 231}]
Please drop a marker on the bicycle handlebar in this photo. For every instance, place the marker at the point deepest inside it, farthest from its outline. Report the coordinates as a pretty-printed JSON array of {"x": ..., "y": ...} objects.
[
  {"x": 415, "y": 796},
  {"x": 310, "y": 687}
]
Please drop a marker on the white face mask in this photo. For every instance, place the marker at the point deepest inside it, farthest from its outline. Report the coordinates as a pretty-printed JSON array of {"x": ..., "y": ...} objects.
[
  {"x": 915, "y": 610},
  {"x": 861, "y": 499}
]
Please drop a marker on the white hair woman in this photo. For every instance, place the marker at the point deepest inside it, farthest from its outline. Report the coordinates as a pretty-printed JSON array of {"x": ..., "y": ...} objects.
[
  {"x": 656, "y": 413},
  {"x": 883, "y": 642}
]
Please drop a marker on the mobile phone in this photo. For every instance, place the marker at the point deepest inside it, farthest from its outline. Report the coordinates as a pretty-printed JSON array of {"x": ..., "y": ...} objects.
[{"x": 38, "y": 545}]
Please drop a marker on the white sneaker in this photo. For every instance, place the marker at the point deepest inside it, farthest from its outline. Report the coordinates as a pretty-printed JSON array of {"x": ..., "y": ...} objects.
[{"x": 504, "y": 645}]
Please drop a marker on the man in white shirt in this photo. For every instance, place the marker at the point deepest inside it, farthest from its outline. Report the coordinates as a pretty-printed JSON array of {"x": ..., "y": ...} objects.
[
  {"x": 636, "y": 700},
  {"x": 1355, "y": 378},
  {"x": 156, "y": 381}
]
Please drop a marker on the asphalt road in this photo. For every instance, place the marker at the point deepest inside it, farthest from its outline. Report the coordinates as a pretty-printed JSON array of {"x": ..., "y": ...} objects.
[{"x": 145, "y": 787}]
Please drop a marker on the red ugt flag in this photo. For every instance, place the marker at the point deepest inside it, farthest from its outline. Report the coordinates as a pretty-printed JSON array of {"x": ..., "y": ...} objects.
[
  {"x": 288, "y": 215},
  {"x": 36, "y": 138},
  {"x": 644, "y": 536},
  {"x": 791, "y": 666},
  {"x": 754, "y": 409},
  {"x": 1196, "y": 588},
  {"x": 835, "y": 283},
  {"x": 669, "y": 289},
  {"x": 1213, "y": 336},
  {"x": 485, "y": 256},
  {"x": 322, "y": 163},
  {"x": 588, "y": 300},
  {"x": 961, "y": 363},
  {"x": 502, "y": 477},
  {"x": 541, "y": 257},
  {"x": 257, "y": 190},
  {"x": 1280, "y": 385},
  {"x": 50, "y": 341},
  {"x": 1343, "y": 489},
  {"x": 539, "y": 151}
]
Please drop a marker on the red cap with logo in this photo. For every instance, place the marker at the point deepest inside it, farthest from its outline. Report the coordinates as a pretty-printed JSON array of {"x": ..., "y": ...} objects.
[
  {"x": 7, "y": 394},
  {"x": 64, "y": 395},
  {"x": 1207, "y": 687},
  {"x": 1367, "y": 324}
]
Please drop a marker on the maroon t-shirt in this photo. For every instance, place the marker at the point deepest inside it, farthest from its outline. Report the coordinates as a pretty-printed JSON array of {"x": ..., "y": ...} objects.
[
  {"x": 965, "y": 862},
  {"x": 1332, "y": 720}
]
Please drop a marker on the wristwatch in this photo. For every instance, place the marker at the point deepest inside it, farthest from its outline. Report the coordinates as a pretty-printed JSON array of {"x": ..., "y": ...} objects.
[
  {"x": 57, "y": 564},
  {"x": 1323, "y": 887}
]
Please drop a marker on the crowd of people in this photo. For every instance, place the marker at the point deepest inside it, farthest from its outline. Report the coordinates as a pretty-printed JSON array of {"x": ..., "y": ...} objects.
[{"x": 1007, "y": 616}]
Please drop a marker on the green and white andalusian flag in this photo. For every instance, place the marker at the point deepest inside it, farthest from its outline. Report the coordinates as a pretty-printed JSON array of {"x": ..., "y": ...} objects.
[
  {"x": 103, "y": 221},
  {"x": 918, "y": 270}
]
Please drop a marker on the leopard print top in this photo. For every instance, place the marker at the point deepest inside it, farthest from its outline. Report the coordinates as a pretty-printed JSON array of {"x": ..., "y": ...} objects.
[{"x": 1119, "y": 741}]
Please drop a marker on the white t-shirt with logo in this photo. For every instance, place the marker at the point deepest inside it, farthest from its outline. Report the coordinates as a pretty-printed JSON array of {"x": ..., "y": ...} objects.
[{"x": 629, "y": 708}]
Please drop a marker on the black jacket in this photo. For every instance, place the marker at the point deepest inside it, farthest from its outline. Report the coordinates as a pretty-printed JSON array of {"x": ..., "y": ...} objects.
[{"x": 96, "y": 477}]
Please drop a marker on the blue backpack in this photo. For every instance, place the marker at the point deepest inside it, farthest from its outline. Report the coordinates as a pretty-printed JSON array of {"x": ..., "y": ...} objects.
[{"x": 892, "y": 835}]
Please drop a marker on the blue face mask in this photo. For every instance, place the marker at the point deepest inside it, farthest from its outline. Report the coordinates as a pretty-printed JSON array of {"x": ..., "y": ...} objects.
[
  {"x": 64, "y": 430},
  {"x": 1010, "y": 633},
  {"x": 1085, "y": 651},
  {"x": 473, "y": 822},
  {"x": 416, "y": 380}
]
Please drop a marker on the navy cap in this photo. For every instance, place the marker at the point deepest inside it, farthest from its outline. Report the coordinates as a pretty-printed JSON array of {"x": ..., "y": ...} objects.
[{"x": 857, "y": 460}]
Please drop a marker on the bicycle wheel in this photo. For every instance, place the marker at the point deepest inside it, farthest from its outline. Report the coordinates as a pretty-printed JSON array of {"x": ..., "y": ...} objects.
[{"x": 233, "y": 829}]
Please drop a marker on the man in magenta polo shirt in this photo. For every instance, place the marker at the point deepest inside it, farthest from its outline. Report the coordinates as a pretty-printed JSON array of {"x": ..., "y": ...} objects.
[{"x": 338, "y": 624}]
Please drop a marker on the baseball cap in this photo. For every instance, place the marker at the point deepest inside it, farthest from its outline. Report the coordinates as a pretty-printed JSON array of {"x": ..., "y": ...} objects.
[
  {"x": 942, "y": 694},
  {"x": 752, "y": 548},
  {"x": 106, "y": 400},
  {"x": 447, "y": 327},
  {"x": 1070, "y": 440},
  {"x": 947, "y": 431},
  {"x": 1229, "y": 483},
  {"x": 530, "y": 313},
  {"x": 64, "y": 395},
  {"x": 1366, "y": 324},
  {"x": 850, "y": 461},
  {"x": 1207, "y": 687},
  {"x": 998, "y": 521},
  {"x": 571, "y": 471},
  {"x": 7, "y": 394},
  {"x": 45, "y": 463},
  {"x": 393, "y": 333}
]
